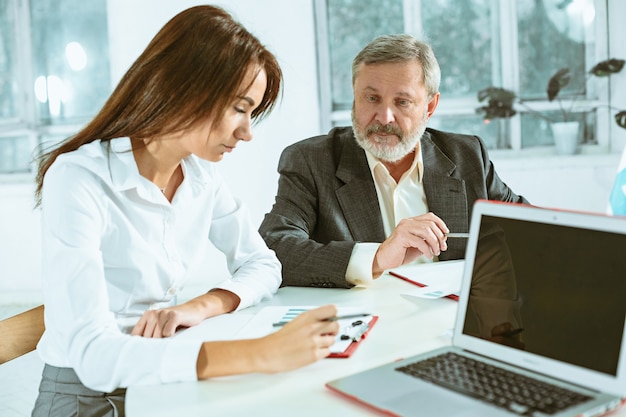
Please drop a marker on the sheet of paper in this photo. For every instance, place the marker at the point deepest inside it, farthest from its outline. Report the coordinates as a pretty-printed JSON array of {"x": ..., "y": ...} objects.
[
  {"x": 429, "y": 292},
  {"x": 434, "y": 280},
  {"x": 263, "y": 324}
]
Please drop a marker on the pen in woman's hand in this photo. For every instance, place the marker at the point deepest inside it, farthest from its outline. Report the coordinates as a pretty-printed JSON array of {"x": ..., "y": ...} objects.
[
  {"x": 347, "y": 316},
  {"x": 344, "y": 317}
]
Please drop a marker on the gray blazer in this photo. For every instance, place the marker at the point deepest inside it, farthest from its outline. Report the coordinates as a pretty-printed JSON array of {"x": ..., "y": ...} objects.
[{"x": 326, "y": 200}]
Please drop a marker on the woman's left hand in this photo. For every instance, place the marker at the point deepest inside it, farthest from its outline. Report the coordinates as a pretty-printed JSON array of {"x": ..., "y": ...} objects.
[{"x": 165, "y": 322}]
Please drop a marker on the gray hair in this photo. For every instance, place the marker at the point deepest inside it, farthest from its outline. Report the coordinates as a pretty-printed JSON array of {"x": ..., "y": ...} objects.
[{"x": 401, "y": 48}]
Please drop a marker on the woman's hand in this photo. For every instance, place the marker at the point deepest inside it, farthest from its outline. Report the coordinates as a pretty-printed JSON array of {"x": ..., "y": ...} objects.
[
  {"x": 164, "y": 322},
  {"x": 302, "y": 341}
]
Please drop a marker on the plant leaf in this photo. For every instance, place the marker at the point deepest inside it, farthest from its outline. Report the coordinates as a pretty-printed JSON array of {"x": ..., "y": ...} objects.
[
  {"x": 497, "y": 109},
  {"x": 499, "y": 104},
  {"x": 608, "y": 67},
  {"x": 559, "y": 80},
  {"x": 620, "y": 119},
  {"x": 498, "y": 94}
]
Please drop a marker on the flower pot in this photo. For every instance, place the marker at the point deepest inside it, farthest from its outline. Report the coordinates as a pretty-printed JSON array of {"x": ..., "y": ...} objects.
[{"x": 565, "y": 136}]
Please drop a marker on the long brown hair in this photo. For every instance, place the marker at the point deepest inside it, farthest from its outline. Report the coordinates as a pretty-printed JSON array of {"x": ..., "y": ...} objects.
[{"x": 192, "y": 69}]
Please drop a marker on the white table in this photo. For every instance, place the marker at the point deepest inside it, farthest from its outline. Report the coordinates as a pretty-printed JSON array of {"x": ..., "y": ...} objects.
[{"x": 404, "y": 328}]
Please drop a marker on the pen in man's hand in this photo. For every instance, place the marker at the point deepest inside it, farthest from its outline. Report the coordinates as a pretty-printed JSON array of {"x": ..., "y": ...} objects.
[{"x": 461, "y": 235}]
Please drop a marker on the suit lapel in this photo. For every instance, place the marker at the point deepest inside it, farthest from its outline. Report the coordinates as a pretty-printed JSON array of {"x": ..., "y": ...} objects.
[
  {"x": 357, "y": 197},
  {"x": 446, "y": 195}
]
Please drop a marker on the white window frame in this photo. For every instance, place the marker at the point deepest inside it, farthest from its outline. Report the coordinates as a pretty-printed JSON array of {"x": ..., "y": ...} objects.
[
  {"x": 27, "y": 123},
  {"x": 608, "y": 135}
]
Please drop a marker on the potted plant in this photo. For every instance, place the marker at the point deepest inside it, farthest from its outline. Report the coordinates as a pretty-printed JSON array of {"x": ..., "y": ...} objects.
[{"x": 500, "y": 104}]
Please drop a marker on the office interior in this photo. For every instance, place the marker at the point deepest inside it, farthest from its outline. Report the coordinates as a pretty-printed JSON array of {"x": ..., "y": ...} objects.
[{"x": 288, "y": 27}]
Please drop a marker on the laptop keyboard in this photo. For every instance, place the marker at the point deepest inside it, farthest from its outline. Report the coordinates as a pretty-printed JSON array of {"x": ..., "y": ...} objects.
[{"x": 517, "y": 393}]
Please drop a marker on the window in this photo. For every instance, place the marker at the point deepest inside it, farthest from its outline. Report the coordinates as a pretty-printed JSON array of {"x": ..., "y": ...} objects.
[
  {"x": 515, "y": 44},
  {"x": 54, "y": 74}
]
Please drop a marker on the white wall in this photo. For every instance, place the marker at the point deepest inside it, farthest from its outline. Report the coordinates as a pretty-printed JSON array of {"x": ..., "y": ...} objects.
[
  {"x": 579, "y": 182},
  {"x": 251, "y": 169}
]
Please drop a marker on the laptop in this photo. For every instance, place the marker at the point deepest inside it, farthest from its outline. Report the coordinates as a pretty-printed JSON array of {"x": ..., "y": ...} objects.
[{"x": 540, "y": 326}]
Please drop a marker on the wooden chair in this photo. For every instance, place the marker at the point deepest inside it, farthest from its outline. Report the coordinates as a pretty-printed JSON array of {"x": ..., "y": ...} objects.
[{"x": 19, "y": 334}]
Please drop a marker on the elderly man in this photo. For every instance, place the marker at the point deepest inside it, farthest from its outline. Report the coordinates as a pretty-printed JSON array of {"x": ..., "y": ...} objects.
[{"x": 386, "y": 191}]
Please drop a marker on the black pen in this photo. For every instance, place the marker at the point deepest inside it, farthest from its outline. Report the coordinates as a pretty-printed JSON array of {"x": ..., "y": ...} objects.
[{"x": 345, "y": 317}]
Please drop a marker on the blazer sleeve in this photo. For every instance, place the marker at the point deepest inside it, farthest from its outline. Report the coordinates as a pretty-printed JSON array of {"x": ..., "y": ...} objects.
[{"x": 308, "y": 257}]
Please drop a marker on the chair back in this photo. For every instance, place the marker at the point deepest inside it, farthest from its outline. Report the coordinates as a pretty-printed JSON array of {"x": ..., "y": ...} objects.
[{"x": 20, "y": 334}]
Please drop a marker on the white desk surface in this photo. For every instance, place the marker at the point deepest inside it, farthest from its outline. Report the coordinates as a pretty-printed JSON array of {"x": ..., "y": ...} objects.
[{"x": 404, "y": 328}]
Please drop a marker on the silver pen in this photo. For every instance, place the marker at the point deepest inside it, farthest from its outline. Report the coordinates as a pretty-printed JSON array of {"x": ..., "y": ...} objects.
[
  {"x": 347, "y": 316},
  {"x": 461, "y": 235}
]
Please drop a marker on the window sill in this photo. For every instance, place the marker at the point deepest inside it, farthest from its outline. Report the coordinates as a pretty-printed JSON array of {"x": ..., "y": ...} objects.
[{"x": 542, "y": 158}]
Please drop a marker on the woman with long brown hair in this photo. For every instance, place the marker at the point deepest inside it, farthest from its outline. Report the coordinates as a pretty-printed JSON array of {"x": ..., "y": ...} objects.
[{"x": 131, "y": 203}]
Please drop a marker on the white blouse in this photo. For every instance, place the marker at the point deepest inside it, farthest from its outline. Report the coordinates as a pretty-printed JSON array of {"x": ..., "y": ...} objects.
[{"x": 114, "y": 246}]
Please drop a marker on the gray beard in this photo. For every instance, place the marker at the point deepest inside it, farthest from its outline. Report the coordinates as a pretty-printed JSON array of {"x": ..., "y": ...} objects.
[{"x": 380, "y": 147}]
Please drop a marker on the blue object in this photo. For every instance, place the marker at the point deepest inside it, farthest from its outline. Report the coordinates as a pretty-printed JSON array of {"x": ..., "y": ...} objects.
[{"x": 617, "y": 200}]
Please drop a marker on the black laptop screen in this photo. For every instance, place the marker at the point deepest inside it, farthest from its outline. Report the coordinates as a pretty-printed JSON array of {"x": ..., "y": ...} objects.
[{"x": 556, "y": 291}]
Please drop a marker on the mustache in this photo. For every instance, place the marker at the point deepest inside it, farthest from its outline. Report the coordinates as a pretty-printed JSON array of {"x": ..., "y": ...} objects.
[{"x": 386, "y": 129}]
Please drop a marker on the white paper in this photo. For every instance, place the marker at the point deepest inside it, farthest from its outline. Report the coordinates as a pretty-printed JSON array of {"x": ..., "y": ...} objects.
[
  {"x": 439, "y": 279},
  {"x": 262, "y": 324}
]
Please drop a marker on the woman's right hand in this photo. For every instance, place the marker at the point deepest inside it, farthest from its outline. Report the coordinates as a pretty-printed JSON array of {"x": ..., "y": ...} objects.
[{"x": 302, "y": 341}]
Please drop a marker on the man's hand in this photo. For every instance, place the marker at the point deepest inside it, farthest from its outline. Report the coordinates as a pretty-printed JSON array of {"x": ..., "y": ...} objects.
[{"x": 412, "y": 238}]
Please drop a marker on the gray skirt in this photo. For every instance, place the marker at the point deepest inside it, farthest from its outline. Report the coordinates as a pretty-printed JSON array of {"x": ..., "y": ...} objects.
[{"x": 61, "y": 394}]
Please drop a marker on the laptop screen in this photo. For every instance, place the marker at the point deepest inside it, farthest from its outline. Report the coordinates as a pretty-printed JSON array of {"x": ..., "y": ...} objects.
[{"x": 552, "y": 290}]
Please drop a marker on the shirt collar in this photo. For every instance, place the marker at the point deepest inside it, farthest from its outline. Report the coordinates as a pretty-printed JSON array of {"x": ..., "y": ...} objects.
[
  {"x": 196, "y": 173},
  {"x": 416, "y": 170},
  {"x": 125, "y": 174},
  {"x": 122, "y": 165}
]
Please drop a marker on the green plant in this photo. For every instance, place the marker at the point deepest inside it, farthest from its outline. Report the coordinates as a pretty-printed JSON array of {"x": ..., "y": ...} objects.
[{"x": 500, "y": 101}]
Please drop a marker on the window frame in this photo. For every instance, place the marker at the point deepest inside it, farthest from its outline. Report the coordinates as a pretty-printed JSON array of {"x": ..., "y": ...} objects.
[
  {"x": 505, "y": 71},
  {"x": 27, "y": 123}
]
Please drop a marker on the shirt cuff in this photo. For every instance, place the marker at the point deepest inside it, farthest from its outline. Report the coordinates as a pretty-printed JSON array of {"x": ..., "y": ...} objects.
[
  {"x": 359, "y": 271},
  {"x": 180, "y": 360}
]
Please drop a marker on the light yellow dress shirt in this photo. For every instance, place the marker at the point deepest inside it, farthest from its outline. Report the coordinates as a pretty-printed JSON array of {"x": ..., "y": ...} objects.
[{"x": 396, "y": 201}]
